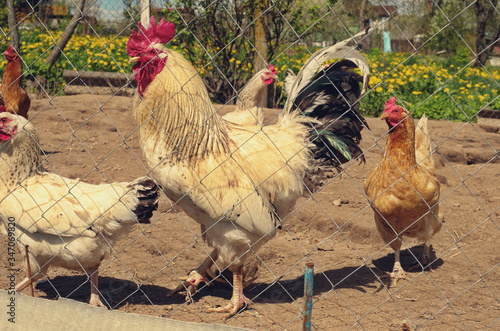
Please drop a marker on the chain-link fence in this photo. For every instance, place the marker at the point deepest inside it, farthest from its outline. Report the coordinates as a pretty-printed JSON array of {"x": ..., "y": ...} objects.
[{"x": 438, "y": 58}]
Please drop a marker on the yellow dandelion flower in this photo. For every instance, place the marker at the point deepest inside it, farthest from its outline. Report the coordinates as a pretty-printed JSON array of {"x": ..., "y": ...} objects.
[{"x": 416, "y": 92}]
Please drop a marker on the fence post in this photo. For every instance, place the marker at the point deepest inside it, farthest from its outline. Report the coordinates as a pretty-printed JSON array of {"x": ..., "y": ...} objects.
[
  {"x": 145, "y": 12},
  {"x": 260, "y": 61},
  {"x": 308, "y": 296}
]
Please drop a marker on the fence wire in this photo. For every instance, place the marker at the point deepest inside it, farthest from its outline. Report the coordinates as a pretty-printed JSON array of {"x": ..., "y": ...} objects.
[{"x": 421, "y": 52}]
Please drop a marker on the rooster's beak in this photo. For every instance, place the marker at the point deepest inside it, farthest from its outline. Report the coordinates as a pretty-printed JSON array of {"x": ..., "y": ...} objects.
[{"x": 133, "y": 59}]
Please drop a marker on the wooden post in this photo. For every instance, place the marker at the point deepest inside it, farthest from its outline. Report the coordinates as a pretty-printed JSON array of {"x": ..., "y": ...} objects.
[
  {"x": 145, "y": 12},
  {"x": 260, "y": 61}
]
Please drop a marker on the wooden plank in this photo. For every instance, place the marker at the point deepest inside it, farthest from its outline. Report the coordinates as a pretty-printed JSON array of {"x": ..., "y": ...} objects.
[
  {"x": 489, "y": 113},
  {"x": 98, "y": 78},
  {"x": 104, "y": 90}
]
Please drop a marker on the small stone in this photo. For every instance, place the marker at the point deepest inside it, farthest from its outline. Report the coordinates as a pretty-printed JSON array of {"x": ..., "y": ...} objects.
[{"x": 337, "y": 203}]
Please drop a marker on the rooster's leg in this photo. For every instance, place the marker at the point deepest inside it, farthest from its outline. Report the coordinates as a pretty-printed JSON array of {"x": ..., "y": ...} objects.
[
  {"x": 238, "y": 300},
  {"x": 94, "y": 290},
  {"x": 195, "y": 277},
  {"x": 397, "y": 271}
]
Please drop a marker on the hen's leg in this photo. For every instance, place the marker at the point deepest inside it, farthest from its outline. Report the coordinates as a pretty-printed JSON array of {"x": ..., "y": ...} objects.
[
  {"x": 238, "y": 300},
  {"x": 195, "y": 277},
  {"x": 426, "y": 255},
  {"x": 397, "y": 271},
  {"x": 94, "y": 288},
  {"x": 425, "y": 259}
]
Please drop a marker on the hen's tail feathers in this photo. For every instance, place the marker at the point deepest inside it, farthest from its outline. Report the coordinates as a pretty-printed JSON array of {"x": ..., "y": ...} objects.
[
  {"x": 330, "y": 94},
  {"x": 423, "y": 147},
  {"x": 147, "y": 192}
]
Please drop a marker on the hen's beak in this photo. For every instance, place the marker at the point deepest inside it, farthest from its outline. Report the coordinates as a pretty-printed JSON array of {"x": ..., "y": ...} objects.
[
  {"x": 133, "y": 59},
  {"x": 383, "y": 116}
]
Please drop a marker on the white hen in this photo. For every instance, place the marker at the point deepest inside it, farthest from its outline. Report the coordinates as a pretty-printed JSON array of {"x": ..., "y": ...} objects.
[
  {"x": 248, "y": 109},
  {"x": 65, "y": 222}
]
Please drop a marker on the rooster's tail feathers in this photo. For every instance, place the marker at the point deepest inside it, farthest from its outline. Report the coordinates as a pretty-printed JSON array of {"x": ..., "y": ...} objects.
[
  {"x": 330, "y": 95},
  {"x": 311, "y": 67},
  {"x": 332, "y": 99}
]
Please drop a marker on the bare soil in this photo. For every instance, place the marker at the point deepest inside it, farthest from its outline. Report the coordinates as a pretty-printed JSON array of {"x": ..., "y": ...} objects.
[{"x": 95, "y": 138}]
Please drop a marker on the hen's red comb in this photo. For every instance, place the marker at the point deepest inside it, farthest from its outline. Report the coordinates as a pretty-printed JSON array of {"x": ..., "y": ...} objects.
[
  {"x": 390, "y": 103},
  {"x": 10, "y": 51},
  {"x": 2, "y": 108},
  {"x": 160, "y": 33},
  {"x": 273, "y": 69}
]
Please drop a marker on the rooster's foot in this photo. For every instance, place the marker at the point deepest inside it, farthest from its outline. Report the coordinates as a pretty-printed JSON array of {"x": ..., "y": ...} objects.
[{"x": 232, "y": 308}]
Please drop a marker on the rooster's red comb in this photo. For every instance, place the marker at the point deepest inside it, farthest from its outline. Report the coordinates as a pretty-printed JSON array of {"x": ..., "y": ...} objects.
[{"x": 160, "y": 33}]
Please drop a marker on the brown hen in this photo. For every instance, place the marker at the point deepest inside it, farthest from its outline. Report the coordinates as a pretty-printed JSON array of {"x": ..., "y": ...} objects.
[
  {"x": 403, "y": 189},
  {"x": 15, "y": 99}
]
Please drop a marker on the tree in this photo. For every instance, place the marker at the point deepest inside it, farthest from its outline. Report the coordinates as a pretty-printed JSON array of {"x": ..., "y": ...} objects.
[
  {"x": 67, "y": 34},
  {"x": 131, "y": 9},
  {"x": 485, "y": 11},
  {"x": 451, "y": 28},
  {"x": 14, "y": 32},
  {"x": 219, "y": 36}
]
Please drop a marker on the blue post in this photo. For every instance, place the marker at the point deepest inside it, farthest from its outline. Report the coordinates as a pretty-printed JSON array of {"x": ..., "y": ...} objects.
[
  {"x": 387, "y": 41},
  {"x": 308, "y": 296}
]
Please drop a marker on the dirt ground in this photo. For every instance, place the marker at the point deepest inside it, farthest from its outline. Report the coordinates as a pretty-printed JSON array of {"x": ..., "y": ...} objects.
[{"x": 95, "y": 138}]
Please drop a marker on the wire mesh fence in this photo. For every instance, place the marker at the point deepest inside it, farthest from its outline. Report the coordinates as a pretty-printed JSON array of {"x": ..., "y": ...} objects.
[{"x": 427, "y": 54}]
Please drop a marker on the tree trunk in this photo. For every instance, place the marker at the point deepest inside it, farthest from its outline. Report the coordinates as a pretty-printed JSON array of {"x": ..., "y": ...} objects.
[
  {"x": 14, "y": 32},
  {"x": 363, "y": 24},
  {"x": 484, "y": 10},
  {"x": 66, "y": 36}
]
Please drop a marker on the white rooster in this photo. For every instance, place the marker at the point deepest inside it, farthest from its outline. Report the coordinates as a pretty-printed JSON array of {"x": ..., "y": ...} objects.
[
  {"x": 239, "y": 181},
  {"x": 65, "y": 222}
]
